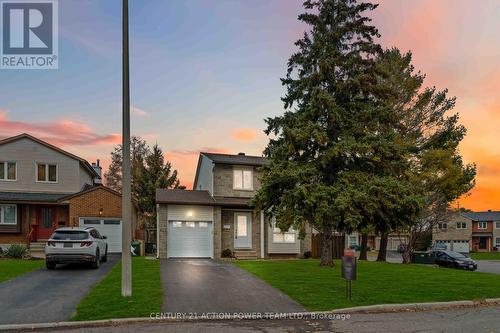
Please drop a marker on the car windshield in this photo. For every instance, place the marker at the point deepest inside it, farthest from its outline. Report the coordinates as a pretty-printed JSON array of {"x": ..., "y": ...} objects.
[
  {"x": 456, "y": 255},
  {"x": 70, "y": 235}
]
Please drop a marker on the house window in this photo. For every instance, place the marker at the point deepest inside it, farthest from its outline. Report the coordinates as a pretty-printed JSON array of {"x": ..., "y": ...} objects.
[
  {"x": 283, "y": 237},
  {"x": 497, "y": 242},
  {"x": 443, "y": 226},
  {"x": 8, "y": 214},
  {"x": 46, "y": 172},
  {"x": 497, "y": 225},
  {"x": 461, "y": 225},
  {"x": 482, "y": 225},
  {"x": 8, "y": 171},
  {"x": 242, "y": 179},
  {"x": 177, "y": 224}
]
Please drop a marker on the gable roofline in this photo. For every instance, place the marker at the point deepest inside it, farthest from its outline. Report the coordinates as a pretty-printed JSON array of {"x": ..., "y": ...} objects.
[
  {"x": 485, "y": 216},
  {"x": 82, "y": 161},
  {"x": 197, "y": 171},
  {"x": 91, "y": 189},
  {"x": 235, "y": 159}
]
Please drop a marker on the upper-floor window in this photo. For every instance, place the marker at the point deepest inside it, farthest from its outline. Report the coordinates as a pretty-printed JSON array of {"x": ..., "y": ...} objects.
[
  {"x": 461, "y": 225},
  {"x": 242, "y": 179},
  {"x": 283, "y": 237},
  {"x": 443, "y": 226},
  {"x": 8, "y": 171},
  {"x": 482, "y": 225},
  {"x": 46, "y": 172},
  {"x": 497, "y": 225},
  {"x": 8, "y": 214}
]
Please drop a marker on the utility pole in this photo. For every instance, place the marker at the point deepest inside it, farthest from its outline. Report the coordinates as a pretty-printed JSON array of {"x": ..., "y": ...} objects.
[{"x": 126, "y": 177}]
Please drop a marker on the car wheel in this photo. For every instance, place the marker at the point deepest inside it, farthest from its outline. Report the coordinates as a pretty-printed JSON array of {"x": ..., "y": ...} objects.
[
  {"x": 105, "y": 258},
  {"x": 50, "y": 265},
  {"x": 97, "y": 262}
]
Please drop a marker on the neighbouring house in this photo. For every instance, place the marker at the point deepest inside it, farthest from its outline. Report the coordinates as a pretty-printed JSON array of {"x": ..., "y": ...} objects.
[
  {"x": 216, "y": 215},
  {"x": 395, "y": 239},
  {"x": 469, "y": 231},
  {"x": 43, "y": 187}
]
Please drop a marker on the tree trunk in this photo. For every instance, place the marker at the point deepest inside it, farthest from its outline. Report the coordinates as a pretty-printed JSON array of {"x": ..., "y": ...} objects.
[
  {"x": 382, "y": 252},
  {"x": 363, "y": 255},
  {"x": 410, "y": 248},
  {"x": 326, "y": 248}
]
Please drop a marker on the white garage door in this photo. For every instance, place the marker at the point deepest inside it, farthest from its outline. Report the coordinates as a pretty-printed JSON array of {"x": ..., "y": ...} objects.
[
  {"x": 460, "y": 246},
  {"x": 189, "y": 239},
  {"x": 111, "y": 228}
]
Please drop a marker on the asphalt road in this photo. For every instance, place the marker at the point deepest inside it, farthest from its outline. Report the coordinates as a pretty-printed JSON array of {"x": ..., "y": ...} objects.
[
  {"x": 48, "y": 296},
  {"x": 203, "y": 286},
  {"x": 478, "y": 320}
]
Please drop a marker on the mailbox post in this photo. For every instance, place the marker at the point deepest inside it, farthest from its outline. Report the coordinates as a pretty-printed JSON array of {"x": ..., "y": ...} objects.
[{"x": 349, "y": 270}]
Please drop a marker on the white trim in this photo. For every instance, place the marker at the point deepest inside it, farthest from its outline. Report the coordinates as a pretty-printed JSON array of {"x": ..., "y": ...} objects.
[
  {"x": 242, "y": 170},
  {"x": 47, "y": 164},
  {"x": 480, "y": 223},
  {"x": 2, "y": 221},
  {"x": 158, "y": 231},
  {"x": 290, "y": 231},
  {"x": 497, "y": 224},
  {"x": 262, "y": 234},
  {"x": 5, "y": 171}
]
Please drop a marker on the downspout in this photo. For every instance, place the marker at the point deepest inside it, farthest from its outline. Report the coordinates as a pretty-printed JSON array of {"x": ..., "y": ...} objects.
[
  {"x": 157, "y": 231},
  {"x": 262, "y": 234}
]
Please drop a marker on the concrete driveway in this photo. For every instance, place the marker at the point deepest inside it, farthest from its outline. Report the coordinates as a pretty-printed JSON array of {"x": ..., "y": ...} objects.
[
  {"x": 203, "y": 286},
  {"x": 48, "y": 296}
]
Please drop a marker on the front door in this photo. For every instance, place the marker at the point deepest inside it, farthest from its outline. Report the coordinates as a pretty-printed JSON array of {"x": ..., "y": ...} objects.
[
  {"x": 482, "y": 243},
  {"x": 46, "y": 220},
  {"x": 242, "y": 230}
]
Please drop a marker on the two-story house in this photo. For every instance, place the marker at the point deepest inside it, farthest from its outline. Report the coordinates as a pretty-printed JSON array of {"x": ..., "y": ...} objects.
[
  {"x": 216, "y": 215},
  {"x": 469, "y": 231},
  {"x": 43, "y": 187}
]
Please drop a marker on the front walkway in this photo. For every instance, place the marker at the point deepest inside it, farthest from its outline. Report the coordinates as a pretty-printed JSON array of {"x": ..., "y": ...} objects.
[{"x": 203, "y": 286}]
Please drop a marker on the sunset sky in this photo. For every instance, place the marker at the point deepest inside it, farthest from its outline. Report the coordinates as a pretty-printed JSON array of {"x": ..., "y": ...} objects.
[{"x": 205, "y": 73}]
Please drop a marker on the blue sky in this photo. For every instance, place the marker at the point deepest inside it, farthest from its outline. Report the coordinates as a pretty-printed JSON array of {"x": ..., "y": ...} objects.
[{"x": 205, "y": 73}]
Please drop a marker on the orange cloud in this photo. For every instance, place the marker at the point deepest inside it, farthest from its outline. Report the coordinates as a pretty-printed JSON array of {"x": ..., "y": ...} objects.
[
  {"x": 245, "y": 134},
  {"x": 62, "y": 132},
  {"x": 185, "y": 161}
]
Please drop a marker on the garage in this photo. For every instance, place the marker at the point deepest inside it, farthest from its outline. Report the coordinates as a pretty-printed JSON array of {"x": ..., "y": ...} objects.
[
  {"x": 109, "y": 227},
  {"x": 461, "y": 246},
  {"x": 189, "y": 239},
  {"x": 190, "y": 231}
]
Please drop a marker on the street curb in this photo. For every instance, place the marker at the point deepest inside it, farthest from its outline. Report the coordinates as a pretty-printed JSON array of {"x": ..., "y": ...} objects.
[{"x": 380, "y": 308}]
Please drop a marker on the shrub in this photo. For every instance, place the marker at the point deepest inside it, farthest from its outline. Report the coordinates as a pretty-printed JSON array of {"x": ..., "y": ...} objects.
[
  {"x": 227, "y": 253},
  {"x": 16, "y": 251},
  {"x": 307, "y": 254}
]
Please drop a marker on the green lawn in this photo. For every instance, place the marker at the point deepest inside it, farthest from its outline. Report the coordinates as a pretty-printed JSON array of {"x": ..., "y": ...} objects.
[
  {"x": 485, "y": 255},
  {"x": 10, "y": 268},
  {"x": 105, "y": 301},
  {"x": 319, "y": 288}
]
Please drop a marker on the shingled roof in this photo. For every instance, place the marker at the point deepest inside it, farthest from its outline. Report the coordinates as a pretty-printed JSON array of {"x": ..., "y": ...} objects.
[
  {"x": 31, "y": 197},
  {"x": 239, "y": 159},
  {"x": 483, "y": 216},
  {"x": 184, "y": 197}
]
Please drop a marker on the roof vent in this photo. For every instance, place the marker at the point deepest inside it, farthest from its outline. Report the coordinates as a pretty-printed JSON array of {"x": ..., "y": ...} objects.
[{"x": 241, "y": 154}]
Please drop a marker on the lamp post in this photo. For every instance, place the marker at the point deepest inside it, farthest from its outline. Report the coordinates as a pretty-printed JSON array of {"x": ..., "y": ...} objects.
[{"x": 126, "y": 177}]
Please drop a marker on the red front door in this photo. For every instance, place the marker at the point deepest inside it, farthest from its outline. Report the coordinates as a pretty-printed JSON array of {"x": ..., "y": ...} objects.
[{"x": 46, "y": 220}]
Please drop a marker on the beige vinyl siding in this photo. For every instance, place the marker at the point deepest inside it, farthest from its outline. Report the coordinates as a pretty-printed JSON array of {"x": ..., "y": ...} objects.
[
  {"x": 284, "y": 248},
  {"x": 26, "y": 153},
  {"x": 205, "y": 179}
]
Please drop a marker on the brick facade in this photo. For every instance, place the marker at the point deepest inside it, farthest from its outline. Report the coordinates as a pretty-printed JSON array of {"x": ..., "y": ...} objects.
[
  {"x": 97, "y": 203},
  {"x": 163, "y": 226},
  {"x": 452, "y": 233}
]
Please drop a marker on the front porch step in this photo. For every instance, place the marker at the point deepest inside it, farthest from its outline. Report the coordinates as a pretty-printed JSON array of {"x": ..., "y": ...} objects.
[
  {"x": 246, "y": 254},
  {"x": 37, "y": 249}
]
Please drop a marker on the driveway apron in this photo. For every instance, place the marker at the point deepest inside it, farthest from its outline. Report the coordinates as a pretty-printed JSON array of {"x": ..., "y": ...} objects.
[
  {"x": 49, "y": 295},
  {"x": 203, "y": 286}
]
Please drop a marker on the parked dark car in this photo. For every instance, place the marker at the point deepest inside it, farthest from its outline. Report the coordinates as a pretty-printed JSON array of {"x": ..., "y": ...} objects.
[
  {"x": 438, "y": 246},
  {"x": 453, "y": 259}
]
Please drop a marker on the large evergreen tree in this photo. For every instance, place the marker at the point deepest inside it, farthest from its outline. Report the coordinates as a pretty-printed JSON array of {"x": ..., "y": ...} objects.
[{"x": 323, "y": 142}]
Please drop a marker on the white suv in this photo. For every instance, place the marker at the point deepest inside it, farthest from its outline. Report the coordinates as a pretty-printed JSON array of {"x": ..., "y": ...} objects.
[{"x": 76, "y": 245}]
